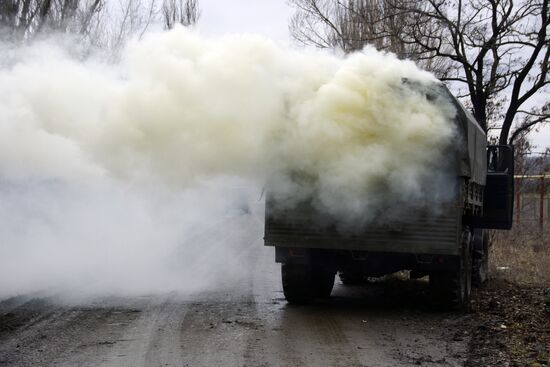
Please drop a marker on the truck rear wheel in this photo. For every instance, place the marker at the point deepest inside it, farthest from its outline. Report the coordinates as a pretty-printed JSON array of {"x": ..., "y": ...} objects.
[
  {"x": 452, "y": 289},
  {"x": 303, "y": 283},
  {"x": 480, "y": 259}
]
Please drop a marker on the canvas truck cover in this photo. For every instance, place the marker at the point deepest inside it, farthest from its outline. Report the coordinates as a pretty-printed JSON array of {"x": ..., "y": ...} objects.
[
  {"x": 471, "y": 141},
  {"x": 423, "y": 233},
  {"x": 472, "y": 153}
]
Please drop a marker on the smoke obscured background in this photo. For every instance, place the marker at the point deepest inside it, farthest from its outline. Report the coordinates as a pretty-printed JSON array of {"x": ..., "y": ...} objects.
[
  {"x": 106, "y": 236},
  {"x": 144, "y": 174}
]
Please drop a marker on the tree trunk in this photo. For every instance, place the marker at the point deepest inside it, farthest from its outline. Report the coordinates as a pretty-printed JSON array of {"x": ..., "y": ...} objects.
[{"x": 480, "y": 110}]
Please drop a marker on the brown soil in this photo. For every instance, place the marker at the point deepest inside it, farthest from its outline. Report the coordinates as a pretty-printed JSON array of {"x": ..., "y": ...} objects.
[{"x": 509, "y": 326}]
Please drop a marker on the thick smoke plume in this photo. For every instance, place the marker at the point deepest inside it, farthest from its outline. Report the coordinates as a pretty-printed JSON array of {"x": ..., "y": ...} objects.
[{"x": 82, "y": 141}]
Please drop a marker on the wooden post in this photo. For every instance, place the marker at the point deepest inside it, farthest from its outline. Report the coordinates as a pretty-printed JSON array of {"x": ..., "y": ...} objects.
[
  {"x": 518, "y": 198},
  {"x": 542, "y": 201}
]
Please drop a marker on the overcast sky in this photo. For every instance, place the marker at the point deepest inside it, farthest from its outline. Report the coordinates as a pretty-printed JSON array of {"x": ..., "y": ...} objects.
[
  {"x": 270, "y": 18},
  {"x": 266, "y": 17}
]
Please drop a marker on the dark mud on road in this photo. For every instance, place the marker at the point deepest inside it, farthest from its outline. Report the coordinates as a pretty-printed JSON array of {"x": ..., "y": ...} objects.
[
  {"x": 245, "y": 322},
  {"x": 249, "y": 324},
  {"x": 509, "y": 326}
]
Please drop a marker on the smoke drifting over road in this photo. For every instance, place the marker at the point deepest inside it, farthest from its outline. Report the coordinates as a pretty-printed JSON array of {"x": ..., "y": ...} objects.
[{"x": 90, "y": 151}]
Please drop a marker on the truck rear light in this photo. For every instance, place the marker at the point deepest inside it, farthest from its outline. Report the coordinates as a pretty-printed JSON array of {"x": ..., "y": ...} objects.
[
  {"x": 430, "y": 259},
  {"x": 296, "y": 252},
  {"x": 425, "y": 259}
]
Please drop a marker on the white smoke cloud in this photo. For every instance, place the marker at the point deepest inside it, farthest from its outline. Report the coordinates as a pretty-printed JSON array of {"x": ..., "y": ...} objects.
[
  {"x": 182, "y": 107},
  {"x": 114, "y": 237},
  {"x": 179, "y": 109}
]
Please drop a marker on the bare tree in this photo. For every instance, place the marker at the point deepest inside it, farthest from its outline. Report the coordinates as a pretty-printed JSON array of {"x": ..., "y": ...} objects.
[
  {"x": 105, "y": 24},
  {"x": 497, "y": 48},
  {"x": 9, "y": 10},
  {"x": 23, "y": 19},
  {"x": 495, "y": 52},
  {"x": 133, "y": 18},
  {"x": 185, "y": 12},
  {"x": 348, "y": 25},
  {"x": 352, "y": 24}
]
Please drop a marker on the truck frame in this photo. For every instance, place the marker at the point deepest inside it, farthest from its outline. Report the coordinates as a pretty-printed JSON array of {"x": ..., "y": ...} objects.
[{"x": 450, "y": 246}]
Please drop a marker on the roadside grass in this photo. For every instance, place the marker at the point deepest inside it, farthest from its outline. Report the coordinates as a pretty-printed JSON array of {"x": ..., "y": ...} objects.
[
  {"x": 510, "y": 322},
  {"x": 521, "y": 255}
]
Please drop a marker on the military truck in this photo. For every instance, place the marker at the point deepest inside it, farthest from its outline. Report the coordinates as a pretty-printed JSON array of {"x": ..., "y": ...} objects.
[{"x": 449, "y": 246}]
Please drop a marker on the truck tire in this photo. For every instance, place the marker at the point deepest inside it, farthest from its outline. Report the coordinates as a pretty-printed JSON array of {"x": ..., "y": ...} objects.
[
  {"x": 324, "y": 282},
  {"x": 351, "y": 278},
  {"x": 304, "y": 283},
  {"x": 480, "y": 259},
  {"x": 452, "y": 289}
]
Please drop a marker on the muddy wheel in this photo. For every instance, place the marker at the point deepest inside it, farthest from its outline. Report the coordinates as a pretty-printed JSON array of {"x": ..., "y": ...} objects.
[
  {"x": 297, "y": 283},
  {"x": 304, "y": 283},
  {"x": 480, "y": 259},
  {"x": 452, "y": 289},
  {"x": 351, "y": 278},
  {"x": 324, "y": 282}
]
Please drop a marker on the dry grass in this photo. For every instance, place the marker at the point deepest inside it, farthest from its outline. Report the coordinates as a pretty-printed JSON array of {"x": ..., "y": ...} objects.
[
  {"x": 515, "y": 299},
  {"x": 521, "y": 255}
]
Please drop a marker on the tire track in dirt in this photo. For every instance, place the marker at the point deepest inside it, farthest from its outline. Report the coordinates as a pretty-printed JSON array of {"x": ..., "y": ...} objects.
[{"x": 242, "y": 321}]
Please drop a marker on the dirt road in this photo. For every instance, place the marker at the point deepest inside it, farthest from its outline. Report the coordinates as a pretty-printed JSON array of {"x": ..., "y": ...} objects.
[{"x": 244, "y": 323}]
